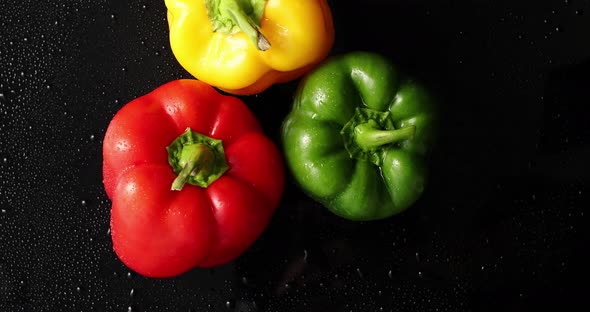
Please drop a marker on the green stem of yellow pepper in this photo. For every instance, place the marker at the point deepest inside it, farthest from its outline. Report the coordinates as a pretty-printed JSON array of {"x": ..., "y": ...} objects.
[
  {"x": 251, "y": 30},
  {"x": 231, "y": 16}
]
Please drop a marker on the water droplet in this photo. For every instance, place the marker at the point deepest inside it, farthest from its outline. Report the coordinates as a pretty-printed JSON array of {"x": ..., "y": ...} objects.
[
  {"x": 420, "y": 275},
  {"x": 229, "y": 304},
  {"x": 418, "y": 257},
  {"x": 4, "y": 160},
  {"x": 305, "y": 255},
  {"x": 92, "y": 137},
  {"x": 132, "y": 292},
  {"x": 358, "y": 271},
  {"x": 390, "y": 274},
  {"x": 244, "y": 280},
  {"x": 3, "y": 210},
  {"x": 83, "y": 202},
  {"x": 78, "y": 289},
  {"x": 579, "y": 12}
]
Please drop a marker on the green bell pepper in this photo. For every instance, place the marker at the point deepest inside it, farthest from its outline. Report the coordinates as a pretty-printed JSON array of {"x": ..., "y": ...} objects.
[{"x": 358, "y": 136}]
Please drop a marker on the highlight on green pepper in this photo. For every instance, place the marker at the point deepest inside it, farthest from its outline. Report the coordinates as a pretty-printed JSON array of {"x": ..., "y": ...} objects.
[{"x": 358, "y": 136}]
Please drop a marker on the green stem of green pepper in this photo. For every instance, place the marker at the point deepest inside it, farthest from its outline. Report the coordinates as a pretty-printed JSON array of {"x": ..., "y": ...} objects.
[{"x": 368, "y": 136}]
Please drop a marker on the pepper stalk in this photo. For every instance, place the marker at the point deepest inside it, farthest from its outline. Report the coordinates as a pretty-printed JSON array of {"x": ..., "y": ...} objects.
[
  {"x": 197, "y": 159},
  {"x": 232, "y": 16},
  {"x": 369, "y": 131},
  {"x": 368, "y": 136}
]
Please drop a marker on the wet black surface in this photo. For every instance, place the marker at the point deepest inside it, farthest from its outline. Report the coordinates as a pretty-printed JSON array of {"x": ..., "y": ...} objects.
[{"x": 501, "y": 226}]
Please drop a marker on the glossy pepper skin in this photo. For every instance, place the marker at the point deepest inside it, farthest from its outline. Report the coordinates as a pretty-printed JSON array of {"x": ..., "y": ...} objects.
[
  {"x": 227, "y": 52},
  {"x": 358, "y": 136},
  {"x": 192, "y": 179}
]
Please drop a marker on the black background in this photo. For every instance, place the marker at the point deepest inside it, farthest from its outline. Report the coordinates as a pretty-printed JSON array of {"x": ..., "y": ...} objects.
[{"x": 500, "y": 227}]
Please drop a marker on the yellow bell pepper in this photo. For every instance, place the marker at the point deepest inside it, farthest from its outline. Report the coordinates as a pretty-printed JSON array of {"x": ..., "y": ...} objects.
[{"x": 244, "y": 46}]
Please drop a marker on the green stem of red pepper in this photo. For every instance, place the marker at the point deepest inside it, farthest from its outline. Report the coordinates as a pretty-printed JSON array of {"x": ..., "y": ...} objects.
[{"x": 197, "y": 159}]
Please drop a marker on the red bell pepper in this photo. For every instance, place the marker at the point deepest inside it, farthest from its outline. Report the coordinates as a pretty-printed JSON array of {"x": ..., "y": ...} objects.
[{"x": 192, "y": 178}]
